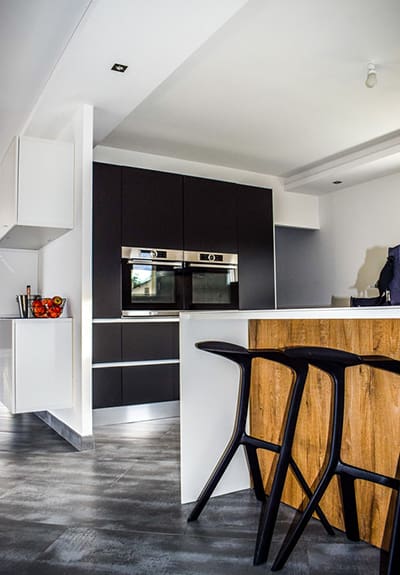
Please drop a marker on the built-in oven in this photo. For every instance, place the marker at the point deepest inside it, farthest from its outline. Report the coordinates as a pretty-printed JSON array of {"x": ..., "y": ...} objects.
[
  {"x": 211, "y": 280},
  {"x": 152, "y": 280}
]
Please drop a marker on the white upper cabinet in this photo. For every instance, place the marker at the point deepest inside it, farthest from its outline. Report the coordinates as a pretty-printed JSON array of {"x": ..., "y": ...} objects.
[
  {"x": 36, "y": 192},
  {"x": 296, "y": 210}
]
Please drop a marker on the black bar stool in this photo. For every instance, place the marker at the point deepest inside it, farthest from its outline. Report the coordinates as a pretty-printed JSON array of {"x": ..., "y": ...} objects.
[
  {"x": 243, "y": 357},
  {"x": 334, "y": 362}
]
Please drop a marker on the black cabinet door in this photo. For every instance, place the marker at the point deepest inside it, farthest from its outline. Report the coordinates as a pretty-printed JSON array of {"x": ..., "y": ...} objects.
[
  {"x": 147, "y": 341},
  {"x": 151, "y": 209},
  {"x": 107, "y": 387},
  {"x": 106, "y": 240},
  {"x": 209, "y": 215},
  {"x": 256, "y": 248},
  {"x": 150, "y": 383},
  {"x": 106, "y": 342}
]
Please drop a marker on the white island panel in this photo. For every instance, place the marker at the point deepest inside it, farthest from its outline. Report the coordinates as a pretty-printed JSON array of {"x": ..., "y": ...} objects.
[{"x": 209, "y": 387}]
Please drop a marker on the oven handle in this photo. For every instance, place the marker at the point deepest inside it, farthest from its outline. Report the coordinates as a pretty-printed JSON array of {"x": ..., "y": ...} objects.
[
  {"x": 212, "y": 266},
  {"x": 156, "y": 263}
]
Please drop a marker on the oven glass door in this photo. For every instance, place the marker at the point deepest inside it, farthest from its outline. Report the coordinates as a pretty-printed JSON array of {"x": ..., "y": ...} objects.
[
  {"x": 148, "y": 285},
  {"x": 211, "y": 287}
]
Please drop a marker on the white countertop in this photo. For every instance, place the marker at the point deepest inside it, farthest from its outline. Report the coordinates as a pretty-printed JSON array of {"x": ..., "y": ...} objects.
[
  {"x": 36, "y": 319},
  {"x": 298, "y": 313}
]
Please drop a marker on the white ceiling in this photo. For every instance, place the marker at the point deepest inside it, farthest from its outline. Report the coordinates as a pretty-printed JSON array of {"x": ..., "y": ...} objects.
[
  {"x": 33, "y": 36},
  {"x": 273, "y": 86},
  {"x": 280, "y": 86}
]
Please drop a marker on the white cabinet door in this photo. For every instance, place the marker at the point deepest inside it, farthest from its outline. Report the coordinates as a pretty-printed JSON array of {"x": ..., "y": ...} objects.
[
  {"x": 36, "y": 192},
  {"x": 6, "y": 364},
  {"x": 37, "y": 374},
  {"x": 45, "y": 183},
  {"x": 8, "y": 188}
]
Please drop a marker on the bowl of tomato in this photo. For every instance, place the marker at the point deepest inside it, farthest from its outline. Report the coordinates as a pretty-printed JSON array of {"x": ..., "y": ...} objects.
[{"x": 48, "y": 307}]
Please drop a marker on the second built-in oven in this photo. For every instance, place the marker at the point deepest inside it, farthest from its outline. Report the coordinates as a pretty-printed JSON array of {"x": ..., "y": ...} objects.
[
  {"x": 211, "y": 280},
  {"x": 152, "y": 279}
]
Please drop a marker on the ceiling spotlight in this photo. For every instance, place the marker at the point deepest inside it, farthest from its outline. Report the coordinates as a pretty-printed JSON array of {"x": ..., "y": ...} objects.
[
  {"x": 371, "y": 80},
  {"x": 119, "y": 67}
]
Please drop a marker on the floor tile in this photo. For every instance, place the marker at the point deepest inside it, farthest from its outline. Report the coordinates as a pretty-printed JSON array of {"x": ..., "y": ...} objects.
[{"x": 116, "y": 510}]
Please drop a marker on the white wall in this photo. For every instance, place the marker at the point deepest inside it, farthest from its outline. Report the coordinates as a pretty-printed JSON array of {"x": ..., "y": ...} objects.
[
  {"x": 18, "y": 268},
  {"x": 122, "y": 157},
  {"x": 344, "y": 258},
  {"x": 65, "y": 269}
]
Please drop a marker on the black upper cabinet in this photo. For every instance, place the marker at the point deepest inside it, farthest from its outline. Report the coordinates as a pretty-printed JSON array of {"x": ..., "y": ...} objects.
[
  {"x": 209, "y": 215},
  {"x": 256, "y": 248},
  {"x": 151, "y": 209},
  {"x": 106, "y": 240}
]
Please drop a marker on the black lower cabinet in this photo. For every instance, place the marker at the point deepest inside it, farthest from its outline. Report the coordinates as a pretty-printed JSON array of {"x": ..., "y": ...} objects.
[
  {"x": 147, "y": 341},
  {"x": 120, "y": 342},
  {"x": 107, "y": 387},
  {"x": 150, "y": 383},
  {"x": 107, "y": 342}
]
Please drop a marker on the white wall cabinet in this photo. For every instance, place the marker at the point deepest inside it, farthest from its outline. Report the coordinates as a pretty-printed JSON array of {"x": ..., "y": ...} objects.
[
  {"x": 36, "y": 192},
  {"x": 296, "y": 211},
  {"x": 36, "y": 364}
]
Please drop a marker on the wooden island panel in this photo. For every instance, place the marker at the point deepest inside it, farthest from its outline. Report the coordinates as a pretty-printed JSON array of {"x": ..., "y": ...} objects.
[{"x": 372, "y": 412}]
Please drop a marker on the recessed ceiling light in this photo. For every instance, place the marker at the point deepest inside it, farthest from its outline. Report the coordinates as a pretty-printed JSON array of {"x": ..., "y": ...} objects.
[
  {"x": 337, "y": 182},
  {"x": 119, "y": 67}
]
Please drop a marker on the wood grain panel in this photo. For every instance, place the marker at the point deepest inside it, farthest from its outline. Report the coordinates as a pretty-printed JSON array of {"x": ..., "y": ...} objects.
[{"x": 372, "y": 404}]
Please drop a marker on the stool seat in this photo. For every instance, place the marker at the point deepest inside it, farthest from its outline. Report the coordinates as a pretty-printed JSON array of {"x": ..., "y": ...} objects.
[
  {"x": 314, "y": 354},
  {"x": 221, "y": 347},
  {"x": 243, "y": 357}
]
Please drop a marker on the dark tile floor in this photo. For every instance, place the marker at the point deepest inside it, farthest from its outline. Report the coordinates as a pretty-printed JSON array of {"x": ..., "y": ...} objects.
[{"x": 116, "y": 510}]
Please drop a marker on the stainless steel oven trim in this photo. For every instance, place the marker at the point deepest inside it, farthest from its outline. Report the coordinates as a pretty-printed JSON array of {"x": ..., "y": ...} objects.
[
  {"x": 169, "y": 313},
  {"x": 195, "y": 257},
  {"x": 210, "y": 266},
  {"x": 151, "y": 254},
  {"x": 166, "y": 263}
]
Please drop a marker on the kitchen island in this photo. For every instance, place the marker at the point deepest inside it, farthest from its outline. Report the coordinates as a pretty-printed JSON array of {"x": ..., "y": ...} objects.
[{"x": 208, "y": 397}]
